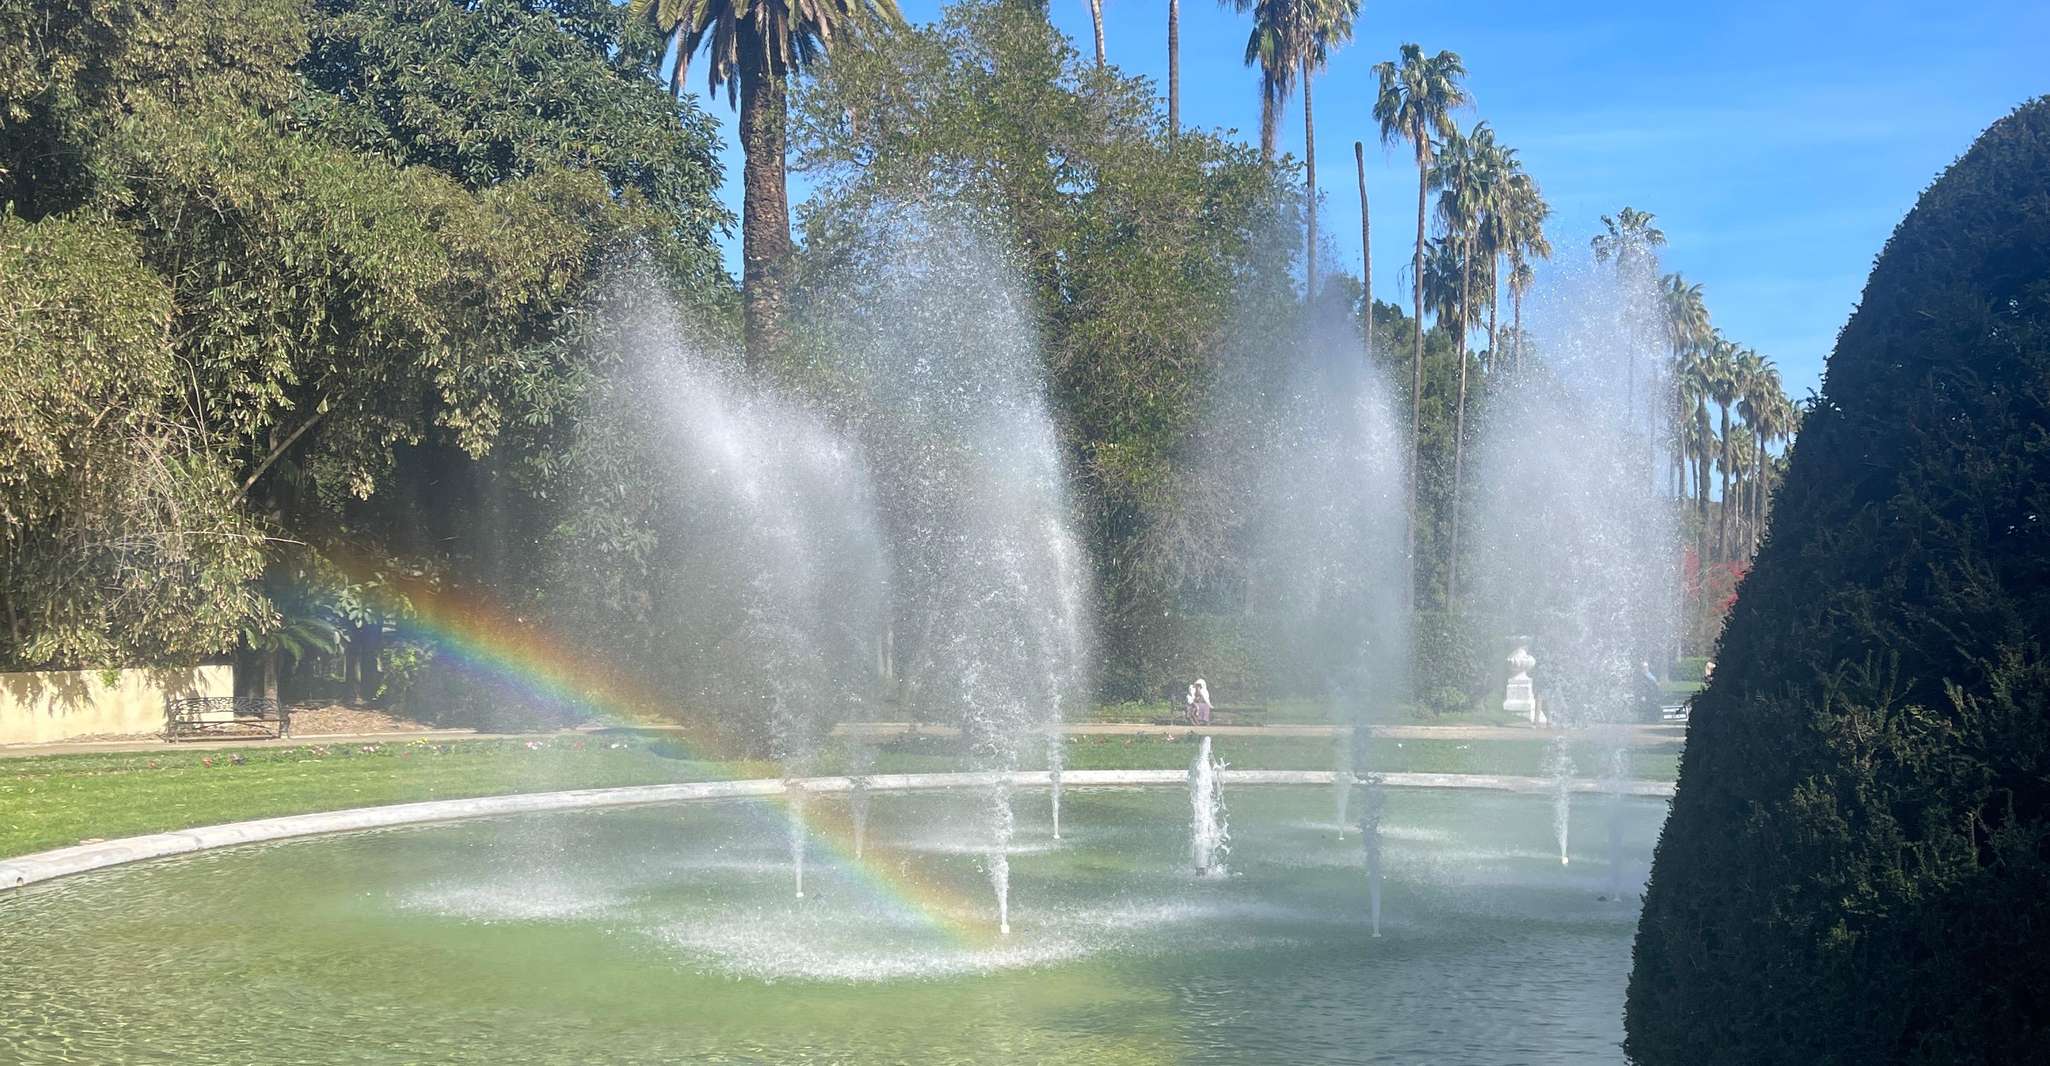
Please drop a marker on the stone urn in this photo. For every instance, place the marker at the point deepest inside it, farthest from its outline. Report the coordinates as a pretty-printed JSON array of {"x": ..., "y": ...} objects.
[{"x": 1521, "y": 698}]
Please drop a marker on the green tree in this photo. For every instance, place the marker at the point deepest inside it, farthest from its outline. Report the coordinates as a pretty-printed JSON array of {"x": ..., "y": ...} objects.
[
  {"x": 754, "y": 51},
  {"x": 381, "y": 258},
  {"x": 1856, "y": 868},
  {"x": 1414, "y": 104},
  {"x": 492, "y": 91},
  {"x": 1146, "y": 259},
  {"x": 118, "y": 536}
]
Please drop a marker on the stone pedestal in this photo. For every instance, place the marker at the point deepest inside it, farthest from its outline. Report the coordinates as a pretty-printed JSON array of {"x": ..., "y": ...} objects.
[{"x": 1521, "y": 699}]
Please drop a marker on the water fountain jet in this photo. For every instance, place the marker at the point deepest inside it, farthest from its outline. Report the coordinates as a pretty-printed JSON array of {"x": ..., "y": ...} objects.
[
  {"x": 1209, "y": 835},
  {"x": 1559, "y": 767}
]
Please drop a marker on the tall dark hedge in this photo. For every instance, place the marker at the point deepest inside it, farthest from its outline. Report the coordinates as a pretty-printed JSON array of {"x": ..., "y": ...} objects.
[{"x": 1857, "y": 865}]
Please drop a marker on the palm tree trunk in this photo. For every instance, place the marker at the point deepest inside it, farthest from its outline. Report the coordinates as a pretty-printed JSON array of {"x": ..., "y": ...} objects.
[
  {"x": 765, "y": 208},
  {"x": 1359, "y": 158},
  {"x": 1722, "y": 515},
  {"x": 1270, "y": 119},
  {"x": 1309, "y": 192},
  {"x": 371, "y": 663},
  {"x": 1494, "y": 308},
  {"x": 1174, "y": 68},
  {"x": 1678, "y": 473},
  {"x": 1416, "y": 363},
  {"x": 1516, "y": 309},
  {"x": 1758, "y": 492},
  {"x": 681, "y": 68},
  {"x": 1701, "y": 473},
  {"x": 1096, "y": 18},
  {"x": 1459, "y": 419},
  {"x": 1630, "y": 382}
]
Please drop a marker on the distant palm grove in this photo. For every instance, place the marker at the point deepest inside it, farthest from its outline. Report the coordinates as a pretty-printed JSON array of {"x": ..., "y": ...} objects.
[{"x": 302, "y": 307}]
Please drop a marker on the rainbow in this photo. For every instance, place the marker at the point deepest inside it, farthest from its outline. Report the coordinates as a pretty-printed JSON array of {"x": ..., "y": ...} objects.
[{"x": 490, "y": 643}]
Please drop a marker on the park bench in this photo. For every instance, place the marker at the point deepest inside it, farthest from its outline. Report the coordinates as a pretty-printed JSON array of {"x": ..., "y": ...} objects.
[
  {"x": 1220, "y": 714},
  {"x": 225, "y": 718}
]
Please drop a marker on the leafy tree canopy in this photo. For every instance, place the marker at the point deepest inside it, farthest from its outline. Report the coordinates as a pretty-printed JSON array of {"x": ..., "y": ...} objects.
[
  {"x": 313, "y": 272},
  {"x": 1148, "y": 257}
]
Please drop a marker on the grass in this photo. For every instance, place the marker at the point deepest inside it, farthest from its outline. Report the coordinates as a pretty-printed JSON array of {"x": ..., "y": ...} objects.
[{"x": 52, "y": 801}]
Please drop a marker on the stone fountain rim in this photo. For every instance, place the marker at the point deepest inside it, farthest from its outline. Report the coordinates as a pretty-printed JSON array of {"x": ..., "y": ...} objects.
[{"x": 43, "y": 866}]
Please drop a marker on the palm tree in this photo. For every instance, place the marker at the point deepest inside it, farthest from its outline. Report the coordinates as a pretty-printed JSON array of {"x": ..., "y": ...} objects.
[
  {"x": 1359, "y": 159},
  {"x": 1686, "y": 314},
  {"x": 1521, "y": 278},
  {"x": 754, "y": 49},
  {"x": 1494, "y": 232},
  {"x": 1267, "y": 48},
  {"x": 1632, "y": 242},
  {"x": 1743, "y": 481},
  {"x": 1691, "y": 393},
  {"x": 1685, "y": 318},
  {"x": 1319, "y": 28},
  {"x": 1467, "y": 173},
  {"x": 1174, "y": 68},
  {"x": 293, "y": 637},
  {"x": 1096, "y": 19},
  {"x": 1762, "y": 405},
  {"x": 1459, "y": 173},
  {"x": 1442, "y": 269},
  {"x": 1415, "y": 103},
  {"x": 1724, "y": 370},
  {"x": 1526, "y": 212}
]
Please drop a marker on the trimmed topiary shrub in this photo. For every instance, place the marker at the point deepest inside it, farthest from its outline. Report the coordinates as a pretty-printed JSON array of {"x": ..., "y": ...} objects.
[{"x": 1857, "y": 866}]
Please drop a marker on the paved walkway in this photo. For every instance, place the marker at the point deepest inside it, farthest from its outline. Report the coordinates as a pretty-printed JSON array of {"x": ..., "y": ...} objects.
[{"x": 1639, "y": 735}]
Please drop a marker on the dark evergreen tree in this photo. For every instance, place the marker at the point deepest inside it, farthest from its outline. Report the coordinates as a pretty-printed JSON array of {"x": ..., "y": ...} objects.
[{"x": 1857, "y": 866}]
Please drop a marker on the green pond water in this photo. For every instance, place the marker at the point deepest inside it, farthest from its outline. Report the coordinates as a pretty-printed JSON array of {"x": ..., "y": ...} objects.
[{"x": 671, "y": 934}]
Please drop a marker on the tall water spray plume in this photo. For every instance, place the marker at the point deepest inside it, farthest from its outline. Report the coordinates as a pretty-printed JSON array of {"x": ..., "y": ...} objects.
[
  {"x": 1326, "y": 568},
  {"x": 1574, "y": 542},
  {"x": 992, "y": 586},
  {"x": 757, "y": 600}
]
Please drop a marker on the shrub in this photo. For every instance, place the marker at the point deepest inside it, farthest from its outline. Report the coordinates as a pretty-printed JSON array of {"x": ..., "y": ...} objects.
[
  {"x": 1857, "y": 865},
  {"x": 1450, "y": 674}
]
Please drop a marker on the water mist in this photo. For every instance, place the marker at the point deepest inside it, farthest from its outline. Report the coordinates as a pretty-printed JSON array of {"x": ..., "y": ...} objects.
[
  {"x": 1209, "y": 834},
  {"x": 1324, "y": 465},
  {"x": 767, "y": 579},
  {"x": 991, "y": 579},
  {"x": 1574, "y": 543}
]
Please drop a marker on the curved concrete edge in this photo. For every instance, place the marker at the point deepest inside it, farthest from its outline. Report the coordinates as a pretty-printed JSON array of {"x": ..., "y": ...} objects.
[{"x": 63, "y": 862}]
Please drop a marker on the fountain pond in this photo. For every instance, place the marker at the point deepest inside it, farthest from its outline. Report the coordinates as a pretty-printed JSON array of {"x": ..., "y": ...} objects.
[{"x": 669, "y": 933}]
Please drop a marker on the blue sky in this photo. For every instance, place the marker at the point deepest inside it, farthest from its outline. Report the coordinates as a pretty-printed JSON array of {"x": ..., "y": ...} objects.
[{"x": 1777, "y": 143}]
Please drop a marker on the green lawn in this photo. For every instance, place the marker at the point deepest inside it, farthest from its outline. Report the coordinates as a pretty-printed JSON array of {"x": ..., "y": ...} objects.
[{"x": 52, "y": 801}]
